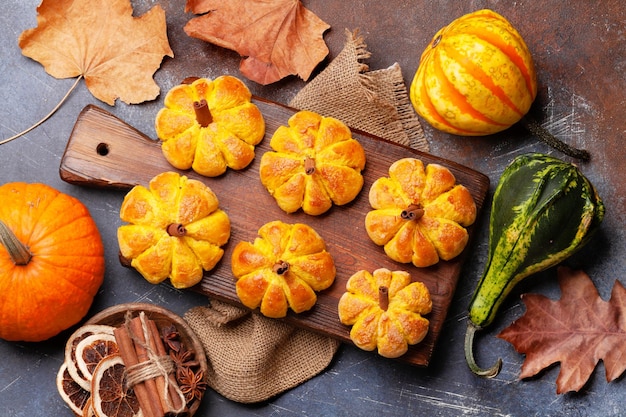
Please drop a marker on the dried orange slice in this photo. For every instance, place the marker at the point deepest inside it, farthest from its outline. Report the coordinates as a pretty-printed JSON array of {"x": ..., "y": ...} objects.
[
  {"x": 110, "y": 396},
  {"x": 70, "y": 350},
  {"x": 91, "y": 350},
  {"x": 75, "y": 396},
  {"x": 88, "y": 409}
]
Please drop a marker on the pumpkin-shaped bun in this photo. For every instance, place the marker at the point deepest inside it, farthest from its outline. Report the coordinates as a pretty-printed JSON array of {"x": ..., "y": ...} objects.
[
  {"x": 210, "y": 126},
  {"x": 315, "y": 163},
  {"x": 283, "y": 268},
  {"x": 385, "y": 310},
  {"x": 420, "y": 213},
  {"x": 176, "y": 230}
]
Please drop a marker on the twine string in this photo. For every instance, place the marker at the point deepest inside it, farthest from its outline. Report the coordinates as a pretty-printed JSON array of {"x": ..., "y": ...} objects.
[
  {"x": 156, "y": 365},
  {"x": 143, "y": 371}
]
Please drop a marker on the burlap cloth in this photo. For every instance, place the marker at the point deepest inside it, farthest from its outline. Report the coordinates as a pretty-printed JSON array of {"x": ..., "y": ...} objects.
[
  {"x": 253, "y": 358},
  {"x": 376, "y": 102}
]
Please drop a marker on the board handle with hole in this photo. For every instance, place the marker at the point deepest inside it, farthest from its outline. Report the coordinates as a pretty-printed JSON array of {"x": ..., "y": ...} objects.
[{"x": 104, "y": 151}]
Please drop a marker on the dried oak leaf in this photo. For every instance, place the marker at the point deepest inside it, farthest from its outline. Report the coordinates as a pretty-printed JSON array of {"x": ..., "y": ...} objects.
[
  {"x": 277, "y": 38},
  {"x": 578, "y": 330},
  {"x": 102, "y": 41}
]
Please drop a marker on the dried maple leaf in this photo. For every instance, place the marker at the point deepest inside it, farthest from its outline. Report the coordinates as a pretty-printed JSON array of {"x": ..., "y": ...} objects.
[
  {"x": 578, "y": 330},
  {"x": 100, "y": 40},
  {"x": 277, "y": 38}
]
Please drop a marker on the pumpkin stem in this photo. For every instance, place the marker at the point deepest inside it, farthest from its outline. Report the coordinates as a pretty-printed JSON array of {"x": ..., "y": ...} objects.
[
  {"x": 309, "y": 165},
  {"x": 176, "y": 230},
  {"x": 19, "y": 253},
  {"x": 383, "y": 297},
  {"x": 412, "y": 212},
  {"x": 469, "y": 356},
  {"x": 203, "y": 114},
  {"x": 281, "y": 267},
  {"x": 436, "y": 41},
  {"x": 549, "y": 139}
]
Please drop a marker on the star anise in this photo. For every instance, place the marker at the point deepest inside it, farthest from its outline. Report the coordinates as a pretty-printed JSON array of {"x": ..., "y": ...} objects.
[
  {"x": 183, "y": 358},
  {"x": 191, "y": 383},
  {"x": 171, "y": 338}
]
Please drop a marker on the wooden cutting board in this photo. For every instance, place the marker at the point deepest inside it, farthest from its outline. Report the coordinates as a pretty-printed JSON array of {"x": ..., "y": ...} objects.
[{"x": 104, "y": 151}]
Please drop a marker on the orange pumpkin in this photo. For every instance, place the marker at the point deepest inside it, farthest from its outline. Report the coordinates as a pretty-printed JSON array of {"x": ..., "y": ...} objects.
[
  {"x": 51, "y": 261},
  {"x": 476, "y": 77}
]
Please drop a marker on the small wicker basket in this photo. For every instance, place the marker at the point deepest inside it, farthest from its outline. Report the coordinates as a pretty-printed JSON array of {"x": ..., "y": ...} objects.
[{"x": 116, "y": 316}]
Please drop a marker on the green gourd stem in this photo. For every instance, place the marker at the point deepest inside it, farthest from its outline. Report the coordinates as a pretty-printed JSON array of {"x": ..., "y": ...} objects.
[
  {"x": 546, "y": 137},
  {"x": 469, "y": 356},
  {"x": 19, "y": 253}
]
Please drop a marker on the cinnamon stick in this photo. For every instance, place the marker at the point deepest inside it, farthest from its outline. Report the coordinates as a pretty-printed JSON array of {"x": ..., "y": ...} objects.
[
  {"x": 176, "y": 230},
  {"x": 142, "y": 355},
  {"x": 309, "y": 165},
  {"x": 203, "y": 113},
  {"x": 383, "y": 297},
  {"x": 129, "y": 357},
  {"x": 173, "y": 401},
  {"x": 413, "y": 212}
]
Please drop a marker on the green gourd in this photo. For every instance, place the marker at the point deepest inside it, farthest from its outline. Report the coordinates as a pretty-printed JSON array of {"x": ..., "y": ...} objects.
[{"x": 543, "y": 211}]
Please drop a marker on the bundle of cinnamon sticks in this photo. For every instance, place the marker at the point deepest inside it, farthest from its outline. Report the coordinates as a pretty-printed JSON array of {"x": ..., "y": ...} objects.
[{"x": 150, "y": 370}]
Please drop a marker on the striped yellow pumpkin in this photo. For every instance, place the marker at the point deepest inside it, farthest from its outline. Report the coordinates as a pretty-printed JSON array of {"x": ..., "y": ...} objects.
[{"x": 476, "y": 77}]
